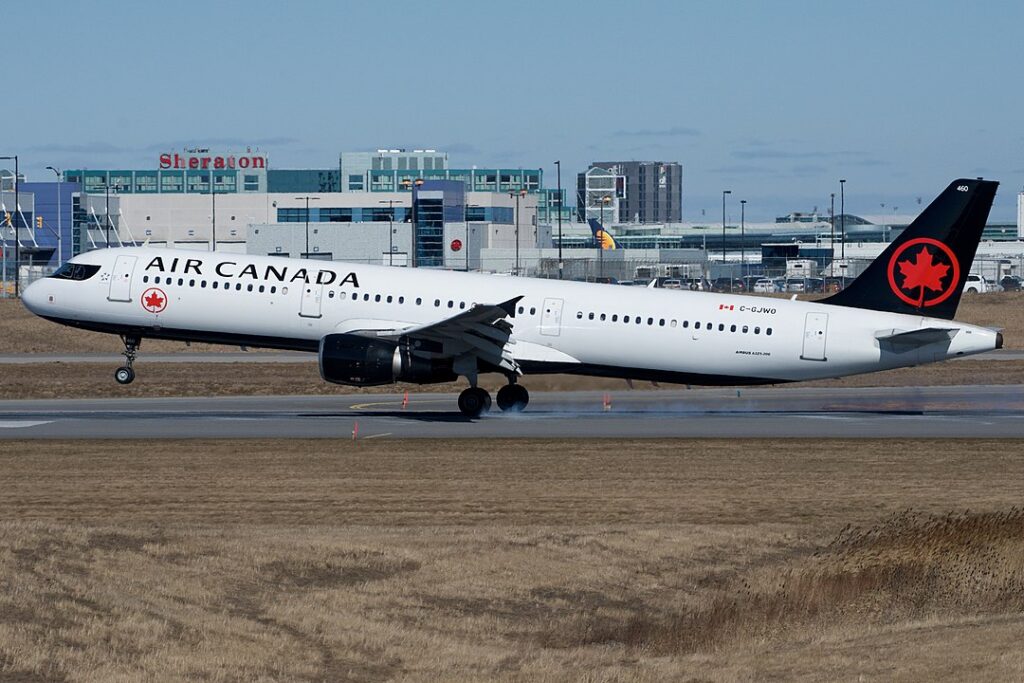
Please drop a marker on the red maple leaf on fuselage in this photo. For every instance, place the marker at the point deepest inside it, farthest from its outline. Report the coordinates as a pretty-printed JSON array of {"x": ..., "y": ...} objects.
[
  {"x": 923, "y": 273},
  {"x": 154, "y": 300}
]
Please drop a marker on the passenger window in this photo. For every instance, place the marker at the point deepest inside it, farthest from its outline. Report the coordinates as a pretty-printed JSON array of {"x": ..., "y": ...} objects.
[
  {"x": 639, "y": 320},
  {"x": 615, "y": 318},
  {"x": 650, "y": 321},
  {"x": 249, "y": 288},
  {"x": 533, "y": 311},
  {"x": 191, "y": 283},
  {"x": 732, "y": 328},
  {"x": 261, "y": 289},
  {"x": 591, "y": 316},
  {"x": 238, "y": 287},
  {"x": 145, "y": 278},
  {"x": 602, "y": 317},
  {"x": 366, "y": 297},
  {"x": 521, "y": 309},
  {"x": 215, "y": 283},
  {"x": 451, "y": 304},
  {"x": 401, "y": 299},
  {"x": 768, "y": 332},
  {"x": 686, "y": 323},
  {"x": 462, "y": 304},
  {"x": 181, "y": 281},
  {"x": 661, "y": 323},
  {"x": 156, "y": 280},
  {"x": 437, "y": 303},
  {"x": 625, "y": 318},
  {"x": 377, "y": 298},
  {"x": 696, "y": 326},
  {"x": 330, "y": 294},
  {"x": 672, "y": 323},
  {"x": 721, "y": 327},
  {"x": 202, "y": 284},
  {"x": 273, "y": 289},
  {"x": 579, "y": 315},
  {"x": 389, "y": 298},
  {"x": 227, "y": 285},
  {"x": 757, "y": 330},
  {"x": 744, "y": 329}
]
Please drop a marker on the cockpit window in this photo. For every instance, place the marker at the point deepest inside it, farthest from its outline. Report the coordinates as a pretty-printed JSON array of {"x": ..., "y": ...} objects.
[{"x": 75, "y": 271}]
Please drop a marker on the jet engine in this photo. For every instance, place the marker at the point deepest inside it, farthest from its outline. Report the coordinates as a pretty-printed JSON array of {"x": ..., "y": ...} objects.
[{"x": 364, "y": 362}]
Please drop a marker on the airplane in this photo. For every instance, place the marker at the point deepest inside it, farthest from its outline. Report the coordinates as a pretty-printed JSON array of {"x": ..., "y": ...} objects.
[
  {"x": 602, "y": 236},
  {"x": 375, "y": 325}
]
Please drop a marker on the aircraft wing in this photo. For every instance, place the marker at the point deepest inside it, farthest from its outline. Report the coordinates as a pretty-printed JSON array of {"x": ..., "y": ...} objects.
[
  {"x": 479, "y": 333},
  {"x": 919, "y": 337}
]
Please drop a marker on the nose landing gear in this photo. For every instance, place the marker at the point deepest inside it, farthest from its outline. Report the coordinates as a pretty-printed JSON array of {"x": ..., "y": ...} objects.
[{"x": 125, "y": 374}]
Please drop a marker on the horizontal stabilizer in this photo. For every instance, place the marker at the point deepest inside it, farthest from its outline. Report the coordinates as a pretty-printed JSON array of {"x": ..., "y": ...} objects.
[{"x": 919, "y": 337}]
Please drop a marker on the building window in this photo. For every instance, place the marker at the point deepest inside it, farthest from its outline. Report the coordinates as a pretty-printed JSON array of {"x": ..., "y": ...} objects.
[
  {"x": 251, "y": 183},
  {"x": 355, "y": 182}
]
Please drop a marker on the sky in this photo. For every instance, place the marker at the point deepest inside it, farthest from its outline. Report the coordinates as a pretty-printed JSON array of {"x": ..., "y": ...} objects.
[{"x": 775, "y": 101}]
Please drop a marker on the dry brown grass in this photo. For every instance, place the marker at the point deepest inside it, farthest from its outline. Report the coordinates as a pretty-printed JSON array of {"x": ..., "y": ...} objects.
[{"x": 527, "y": 560}]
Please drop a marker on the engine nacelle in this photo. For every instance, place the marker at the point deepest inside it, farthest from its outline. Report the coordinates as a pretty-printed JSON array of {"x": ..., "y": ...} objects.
[{"x": 364, "y": 362}]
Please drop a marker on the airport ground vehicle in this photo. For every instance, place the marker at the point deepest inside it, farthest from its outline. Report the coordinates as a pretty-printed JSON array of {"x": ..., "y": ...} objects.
[
  {"x": 1011, "y": 283},
  {"x": 976, "y": 284}
]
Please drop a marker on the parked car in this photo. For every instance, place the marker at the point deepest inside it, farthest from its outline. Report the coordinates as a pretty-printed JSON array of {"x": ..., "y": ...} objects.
[
  {"x": 992, "y": 285},
  {"x": 697, "y": 284},
  {"x": 1011, "y": 283},
  {"x": 672, "y": 283},
  {"x": 765, "y": 286},
  {"x": 975, "y": 284},
  {"x": 796, "y": 285},
  {"x": 728, "y": 284}
]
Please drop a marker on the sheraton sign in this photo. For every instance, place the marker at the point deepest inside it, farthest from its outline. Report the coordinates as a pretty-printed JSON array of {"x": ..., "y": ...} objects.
[{"x": 205, "y": 161}]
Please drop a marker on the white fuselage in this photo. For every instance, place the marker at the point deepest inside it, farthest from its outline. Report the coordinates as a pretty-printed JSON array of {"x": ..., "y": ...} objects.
[{"x": 559, "y": 326}]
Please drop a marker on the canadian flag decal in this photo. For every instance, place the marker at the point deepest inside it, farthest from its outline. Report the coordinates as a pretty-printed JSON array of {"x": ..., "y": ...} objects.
[{"x": 723, "y": 307}]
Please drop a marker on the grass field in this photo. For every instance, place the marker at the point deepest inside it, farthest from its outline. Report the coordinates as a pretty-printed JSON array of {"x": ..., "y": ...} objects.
[{"x": 525, "y": 560}]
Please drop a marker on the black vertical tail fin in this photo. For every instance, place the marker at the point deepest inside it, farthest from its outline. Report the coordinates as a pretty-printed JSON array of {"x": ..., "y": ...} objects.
[{"x": 924, "y": 270}]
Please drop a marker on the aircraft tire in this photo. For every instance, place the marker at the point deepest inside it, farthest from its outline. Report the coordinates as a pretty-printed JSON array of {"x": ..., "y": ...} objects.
[
  {"x": 124, "y": 375},
  {"x": 513, "y": 398},
  {"x": 474, "y": 402}
]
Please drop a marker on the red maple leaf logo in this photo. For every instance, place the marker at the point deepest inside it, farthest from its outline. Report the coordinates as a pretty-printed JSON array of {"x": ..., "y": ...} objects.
[
  {"x": 923, "y": 273},
  {"x": 154, "y": 300}
]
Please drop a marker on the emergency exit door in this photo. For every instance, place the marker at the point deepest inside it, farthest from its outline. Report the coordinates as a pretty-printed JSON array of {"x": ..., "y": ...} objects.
[
  {"x": 551, "y": 317},
  {"x": 815, "y": 334},
  {"x": 312, "y": 294}
]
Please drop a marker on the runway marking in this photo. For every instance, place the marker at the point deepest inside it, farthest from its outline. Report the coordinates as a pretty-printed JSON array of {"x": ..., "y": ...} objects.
[
  {"x": 363, "y": 406},
  {"x": 375, "y": 436},
  {"x": 18, "y": 424}
]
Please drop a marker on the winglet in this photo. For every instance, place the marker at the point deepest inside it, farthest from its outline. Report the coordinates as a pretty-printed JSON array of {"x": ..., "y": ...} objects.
[{"x": 510, "y": 306}]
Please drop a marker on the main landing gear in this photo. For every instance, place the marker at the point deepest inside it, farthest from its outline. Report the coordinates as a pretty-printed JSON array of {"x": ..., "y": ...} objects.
[
  {"x": 125, "y": 374},
  {"x": 475, "y": 401}
]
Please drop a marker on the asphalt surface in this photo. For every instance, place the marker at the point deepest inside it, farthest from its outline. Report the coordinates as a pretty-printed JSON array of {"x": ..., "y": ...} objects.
[
  {"x": 282, "y": 357},
  {"x": 885, "y": 412}
]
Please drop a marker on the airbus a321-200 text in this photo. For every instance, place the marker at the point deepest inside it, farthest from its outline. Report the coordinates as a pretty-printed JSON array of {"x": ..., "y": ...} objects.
[{"x": 374, "y": 325}]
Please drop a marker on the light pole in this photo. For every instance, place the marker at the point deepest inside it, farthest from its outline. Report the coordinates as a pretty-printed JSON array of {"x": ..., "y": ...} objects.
[
  {"x": 60, "y": 253},
  {"x": 724, "y": 192},
  {"x": 842, "y": 215},
  {"x": 832, "y": 243},
  {"x": 743, "y": 243},
  {"x": 391, "y": 228},
  {"x": 307, "y": 198},
  {"x": 213, "y": 214},
  {"x": 558, "y": 165},
  {"x": 106, "y": 217},
  {"x": 517, "y": 195},
  {"x": 17, "y": 241}
]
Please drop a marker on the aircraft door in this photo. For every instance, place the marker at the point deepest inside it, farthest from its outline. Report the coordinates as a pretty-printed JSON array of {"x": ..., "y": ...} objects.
[
  {"x": 121, "y": 279},
  {"x": 815, "y": 334},
  {"x": 312, "y": 295},
  {"x": 551, "y": 317}
]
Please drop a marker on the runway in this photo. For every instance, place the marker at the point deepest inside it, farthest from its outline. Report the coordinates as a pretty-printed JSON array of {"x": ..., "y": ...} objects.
[{"x": 884, "y": 412}]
